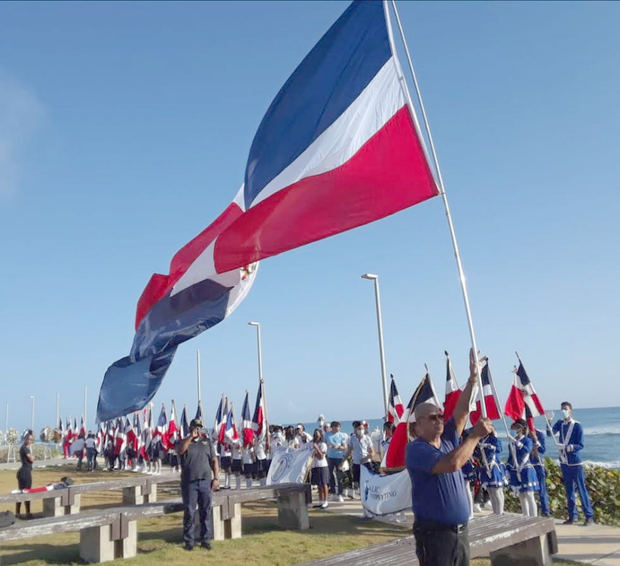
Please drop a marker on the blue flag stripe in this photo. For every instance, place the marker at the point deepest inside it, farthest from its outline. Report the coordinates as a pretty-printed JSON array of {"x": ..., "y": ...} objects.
[{"x": 322, "y": 87}]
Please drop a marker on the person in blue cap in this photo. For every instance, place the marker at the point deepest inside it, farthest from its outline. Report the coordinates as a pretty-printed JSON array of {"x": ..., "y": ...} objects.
[{"x": 570, "y": 436}]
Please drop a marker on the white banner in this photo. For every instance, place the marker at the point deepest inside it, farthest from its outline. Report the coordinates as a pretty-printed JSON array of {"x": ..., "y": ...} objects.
[
  {"x": 384, "y": 494},
  {"x": 290, "y": 465}
]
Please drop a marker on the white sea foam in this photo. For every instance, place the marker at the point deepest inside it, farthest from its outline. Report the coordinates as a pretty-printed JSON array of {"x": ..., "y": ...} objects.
[
  {"x": 612, "y": 464},
  {"x": 608, "y": 429}
]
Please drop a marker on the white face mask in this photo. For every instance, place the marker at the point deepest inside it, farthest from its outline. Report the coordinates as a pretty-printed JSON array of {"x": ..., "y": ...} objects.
[
  {"x": 566, "y": 413},
  {"x": 359, "y": 432}
]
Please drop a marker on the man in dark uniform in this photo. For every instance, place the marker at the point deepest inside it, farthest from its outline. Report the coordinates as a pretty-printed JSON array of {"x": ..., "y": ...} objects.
[
  {"x": 439, "y": 495},
  {"x": 199, "y": 473}
]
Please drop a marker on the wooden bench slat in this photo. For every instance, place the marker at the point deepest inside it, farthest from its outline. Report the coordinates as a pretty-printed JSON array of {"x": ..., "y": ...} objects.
[
  {"x": 486, "y": 534},
  {"x": 51, "y": 525}
]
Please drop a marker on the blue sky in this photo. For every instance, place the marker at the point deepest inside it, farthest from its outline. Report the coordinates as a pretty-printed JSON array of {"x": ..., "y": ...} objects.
[{"x": 124, "y": 131}]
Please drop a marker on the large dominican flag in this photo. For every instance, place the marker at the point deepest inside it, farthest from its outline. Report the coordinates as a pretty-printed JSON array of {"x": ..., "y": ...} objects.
[{"x": 337, "y": 148}]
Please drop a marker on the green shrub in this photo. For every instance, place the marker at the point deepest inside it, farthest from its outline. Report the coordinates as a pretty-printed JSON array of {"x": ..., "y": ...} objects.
[{"x": 603, "y": 485}]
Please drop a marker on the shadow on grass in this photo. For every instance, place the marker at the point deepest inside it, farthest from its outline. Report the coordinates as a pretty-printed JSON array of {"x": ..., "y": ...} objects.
[{"x": 66, "y": 554}]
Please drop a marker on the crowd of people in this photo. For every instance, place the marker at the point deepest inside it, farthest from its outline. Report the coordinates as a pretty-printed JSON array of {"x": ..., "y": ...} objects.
[{"x": 453, "y": 470}]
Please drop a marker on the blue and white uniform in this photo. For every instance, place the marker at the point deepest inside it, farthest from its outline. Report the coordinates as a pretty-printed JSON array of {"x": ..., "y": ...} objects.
[
  {"x": 571, "y": 442},
  {"x": 523, "y": 476},
  {"x": 541, "y": 472},
  {"x": 469, "y": 471},
  {"x": 494, "y": 475}
]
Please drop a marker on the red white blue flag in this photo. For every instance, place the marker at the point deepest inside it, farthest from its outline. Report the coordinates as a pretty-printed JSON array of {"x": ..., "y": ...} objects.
[
  {"x": 173, "y": 431},
  {"x": 489, "y": 399},
  {"x": 184, "y": 426},
  {"x": 337, "y": 148},
  {"x": 452, "y": 390},
  {"x": 258, "y": 419},
  {"x": 394, "y": 459},
  {"x": 161, "y": 431},
  {"x": 246, "y": 419},
  {"x": 395, "y": 404},
  {"x": 523, "y": 401},
  {"x": 229, "y": 430}
]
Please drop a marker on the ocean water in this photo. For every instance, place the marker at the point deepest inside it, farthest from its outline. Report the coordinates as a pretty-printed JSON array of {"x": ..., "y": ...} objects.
[{"x": 601, "y": 434}]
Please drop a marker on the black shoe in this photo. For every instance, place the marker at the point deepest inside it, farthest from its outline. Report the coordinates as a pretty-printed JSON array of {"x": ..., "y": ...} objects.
[
  {"x": 568, "y": 522},
  {"x": 588, "y": 522},
  {"x": 546, "y": 514},
  {"x": 188, "y": 546},
  {"x": 206, "y": 545}
]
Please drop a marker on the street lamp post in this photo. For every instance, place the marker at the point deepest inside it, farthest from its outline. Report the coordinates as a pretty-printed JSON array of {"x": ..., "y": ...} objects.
[
  {"x": 261, "y": 381},
  {"x": 375, "y": 278},
  {"x": 260, "y": 348},
  {"x": 32, "y": 415}
]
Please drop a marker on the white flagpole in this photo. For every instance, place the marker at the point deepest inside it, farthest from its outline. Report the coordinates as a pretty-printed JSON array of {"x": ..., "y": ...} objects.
[
  {"x": 442, "y": 190},
  {"x": 198, "y": 375}
]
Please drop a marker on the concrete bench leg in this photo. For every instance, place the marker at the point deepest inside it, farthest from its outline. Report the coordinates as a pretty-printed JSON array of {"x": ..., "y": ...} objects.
[
  {"x": 74, "y": 507},
  {"x": 292, "y": 511},
  {"x": 217, "y": 526},
  {"x": 150, "y": 496},
  {"x": 97, "y": 544},
  {"x": 232, "y": 526},
  {"x": 133, "y": 495},
  {"x": 53, "y": 507},
  {"x": 532, "y": 552}
]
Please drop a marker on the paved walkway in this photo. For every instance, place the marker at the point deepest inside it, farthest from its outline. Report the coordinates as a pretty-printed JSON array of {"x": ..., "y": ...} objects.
[{"x": 596, "y": 544}]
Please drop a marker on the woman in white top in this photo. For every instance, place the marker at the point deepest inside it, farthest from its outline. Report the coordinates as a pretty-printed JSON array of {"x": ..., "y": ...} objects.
[{"x": 320, "y": 470}]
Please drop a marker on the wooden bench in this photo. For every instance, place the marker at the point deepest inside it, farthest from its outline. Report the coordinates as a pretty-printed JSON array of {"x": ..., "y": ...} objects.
[
  {"x": 509, "y": 539},
  {"x": 66, "y": 501},
  {"x": 108, "y": 534}
]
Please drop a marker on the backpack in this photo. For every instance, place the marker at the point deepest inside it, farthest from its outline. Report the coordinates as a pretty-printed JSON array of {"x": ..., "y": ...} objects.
[{"x": 6, "y": 519}]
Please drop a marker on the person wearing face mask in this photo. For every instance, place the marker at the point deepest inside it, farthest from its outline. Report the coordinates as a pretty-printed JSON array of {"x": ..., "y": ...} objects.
[
  {"x": 523, "y": 480},
  {"x": 570, "y": 436},
  {"x": 360, "y": 448},
  {"x": 199, "y": 473}
]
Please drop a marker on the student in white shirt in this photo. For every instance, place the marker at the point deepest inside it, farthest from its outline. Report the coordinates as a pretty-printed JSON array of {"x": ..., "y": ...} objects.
[{"x": 320, "y": 469}]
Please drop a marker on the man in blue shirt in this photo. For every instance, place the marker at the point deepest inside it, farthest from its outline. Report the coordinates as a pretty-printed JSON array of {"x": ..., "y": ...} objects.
[
  {"x": 571, "y": 442},
  {"x": 439, "y": 495},
  {"x": 337, "y": 443}
]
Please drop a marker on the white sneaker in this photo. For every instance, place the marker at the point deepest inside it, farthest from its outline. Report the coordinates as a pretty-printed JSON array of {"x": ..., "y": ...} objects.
[
  {"x": 324, "y": 505},
  {"x": 341, "y": 499},
  {"x": 488, "y": 505},
  {"x": 477, "y": 508}
]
